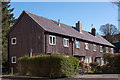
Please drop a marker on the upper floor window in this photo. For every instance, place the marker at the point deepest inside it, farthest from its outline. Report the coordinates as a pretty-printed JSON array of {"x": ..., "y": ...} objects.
[
  {"x": 13, "y": 41},
  {"x": 77, "y": 44},
  {"x": 112, "y": 50},
  {"x": 66, "y": 42},
  {"x": 52, "y": 40},
  {"x": 106, "y": 49},
  {"x": 86, "y": 46},
  {"x": 101, "y": 49},
  {"x": 13, "y": 59},
  {"x": 94, "y": 47}
]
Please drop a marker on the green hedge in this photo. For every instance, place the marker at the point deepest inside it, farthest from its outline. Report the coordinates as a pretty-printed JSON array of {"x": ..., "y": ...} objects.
[
  {"x": 52, "y": 66},
  {"x": 113, "y": 63}
]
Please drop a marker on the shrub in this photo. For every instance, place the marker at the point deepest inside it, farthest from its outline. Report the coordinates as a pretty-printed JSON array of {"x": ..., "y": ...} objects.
[
  {"x": 90, "y": 72},
  {"x": 94, "y": 65},
  {"x": 113, "y": 60},
  {"x": 52, "y": 66}
]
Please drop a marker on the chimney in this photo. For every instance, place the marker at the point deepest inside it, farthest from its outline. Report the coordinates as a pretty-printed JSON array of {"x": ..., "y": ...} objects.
[
  {"x": 79, "y": 27},
  {"x": 58, "y": 22},
  {"x": 93, "y": 31}
]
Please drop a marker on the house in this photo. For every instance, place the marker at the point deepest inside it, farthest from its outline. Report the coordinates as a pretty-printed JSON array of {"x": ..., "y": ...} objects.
[
  {"x": 117, "y": 47},
  {"x": 35, "y": 35}
]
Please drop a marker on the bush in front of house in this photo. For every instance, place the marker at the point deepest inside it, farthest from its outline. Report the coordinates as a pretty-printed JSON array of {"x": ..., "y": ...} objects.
[
  {"x": 113, "y": 63},
  {"x": 52, "y": 66},
  {"x": 94, "y": 65}
]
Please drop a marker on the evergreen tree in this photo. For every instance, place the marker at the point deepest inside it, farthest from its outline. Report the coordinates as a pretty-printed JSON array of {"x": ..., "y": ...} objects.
[{"x": 7, "y": 22}]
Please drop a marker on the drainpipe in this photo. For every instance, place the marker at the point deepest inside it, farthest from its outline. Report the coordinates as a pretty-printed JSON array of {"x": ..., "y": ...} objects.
[{"x": 72, "y": 46}]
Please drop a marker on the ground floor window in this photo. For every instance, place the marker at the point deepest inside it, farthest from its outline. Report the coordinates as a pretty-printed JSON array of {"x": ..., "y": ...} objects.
[
  {"x": 13, "y": 59},
  {"x": 87, "y": 60},
  {"x": 100, "y": 61}
]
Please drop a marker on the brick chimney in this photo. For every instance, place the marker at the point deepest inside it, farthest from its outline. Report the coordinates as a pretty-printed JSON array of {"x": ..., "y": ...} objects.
[
  {"x": 93, "y": 31},
  {"x": 79, "y": 27}
]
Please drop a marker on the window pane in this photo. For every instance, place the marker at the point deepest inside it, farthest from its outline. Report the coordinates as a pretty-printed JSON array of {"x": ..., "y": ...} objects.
[
  {"x": 50, "y": 40},
  {"x": 64, "y": 42},
  {"x": 67, "y": 42},
  {"x": 101, "y": 49},
  {"x": 86, "y": 45},
  {"x": 77, "y": 44},
  {"x": 53, "y": 40},
  {"x": 107, "y": 49},
  {"x": 94, "y": 49},
  {"x": 14, "y": 60},
  {"x": 14, "y": 40}
]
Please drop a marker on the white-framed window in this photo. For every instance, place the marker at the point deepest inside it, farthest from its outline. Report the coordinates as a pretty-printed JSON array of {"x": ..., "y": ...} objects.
[
  {"x": 66, "y": 42},
  {"x": 77, "y": 44},
  {"x": 106, "y": 49},
  {"x": 52, "y": 40},
  {"x": 94, "y": 47},
  {"x": 13, "y": 59},
  {"x": 112, "y": 50},
  {"x": 13, "y": 41},
  {"x": 86, "y": 46},
  {"x": 101, "y": 48},
  {"x": 87, "y": 60},
  {"x": 102, "y": 61}
]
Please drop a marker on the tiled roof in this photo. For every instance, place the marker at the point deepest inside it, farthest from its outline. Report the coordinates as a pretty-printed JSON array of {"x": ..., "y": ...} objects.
[{"x": 63, "y": 29}]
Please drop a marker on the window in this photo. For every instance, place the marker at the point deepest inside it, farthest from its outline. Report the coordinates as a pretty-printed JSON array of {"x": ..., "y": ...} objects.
[
  {"x": 66, "y": 42},
  {"x": 94, "y": 47},
  {"x": 81, "y": 58},
  {"x": 101, "y": 49},
  {"x": 102, "y": 61},
  {"x": 86, "y": 46},
  {"x": 87, "y": 60},
  {"x": 77, "y": 44},
  {"x": 14, "y": 59},
  {"x": 98, "y": 60},
  {"x": 112, "y": 50},
  {"x": 52, "y": 40},
  {"x": 106, "y": 49},
  {"x": 13, "y": 41}
]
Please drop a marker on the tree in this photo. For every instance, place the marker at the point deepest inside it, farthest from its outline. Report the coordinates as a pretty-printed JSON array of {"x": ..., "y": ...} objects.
[
  {"x": 7, "y": 22},
  {"x": 108, "y": 31}
]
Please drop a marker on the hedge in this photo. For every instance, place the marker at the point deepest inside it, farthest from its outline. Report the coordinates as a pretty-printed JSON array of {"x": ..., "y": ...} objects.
[
  {"x": 52, "y": 66},
  {"x": 113, "y": 63}
]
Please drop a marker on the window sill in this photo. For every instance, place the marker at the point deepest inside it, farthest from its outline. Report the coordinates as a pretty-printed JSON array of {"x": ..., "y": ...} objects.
[
  {"x": 66, "y": 46},
  {"x": 52, "y": 44},
  {"x": 13, "y": 62}
]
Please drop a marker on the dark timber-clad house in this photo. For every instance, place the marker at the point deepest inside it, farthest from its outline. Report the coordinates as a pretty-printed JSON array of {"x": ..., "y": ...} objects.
[{"x": 35, "y": 35}]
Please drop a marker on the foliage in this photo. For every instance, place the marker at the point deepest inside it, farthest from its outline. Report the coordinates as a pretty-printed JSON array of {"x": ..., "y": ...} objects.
[
  {"x": 7, "y": 21},
  {"x": 113, "y": 60},
  {"x": 90, "y": 72},
  {"x": 108, "y": 31},
  {"x": 52, "y": 66},
  {"x": 94, "y": 65}
]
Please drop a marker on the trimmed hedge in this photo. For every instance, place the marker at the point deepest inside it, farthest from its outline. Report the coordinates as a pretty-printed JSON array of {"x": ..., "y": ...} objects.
[{"x": 52, "y": 66}]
